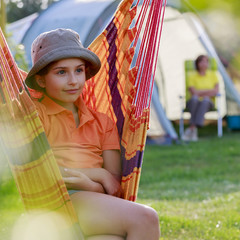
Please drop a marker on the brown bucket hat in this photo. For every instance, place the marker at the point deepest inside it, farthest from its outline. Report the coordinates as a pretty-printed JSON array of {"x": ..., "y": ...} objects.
[{"x": 59, "y": 44}]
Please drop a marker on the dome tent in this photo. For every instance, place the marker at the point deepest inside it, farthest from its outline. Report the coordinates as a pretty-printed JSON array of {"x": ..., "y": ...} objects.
[
  {"x": 88, "y": 18},
  {"x": 183, "y": 37}
]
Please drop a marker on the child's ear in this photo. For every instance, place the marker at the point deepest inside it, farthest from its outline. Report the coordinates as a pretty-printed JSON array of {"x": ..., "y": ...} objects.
[{"x": 40, "y": 81}]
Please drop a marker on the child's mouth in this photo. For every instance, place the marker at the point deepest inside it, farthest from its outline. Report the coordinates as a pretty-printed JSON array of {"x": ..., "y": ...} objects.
[{"x": 72, "y": 91}]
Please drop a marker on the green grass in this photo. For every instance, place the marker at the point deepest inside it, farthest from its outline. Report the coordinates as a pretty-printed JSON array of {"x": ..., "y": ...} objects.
[
  {"x": 10, "y": 204},
  {"x": 194, "y": 187}
]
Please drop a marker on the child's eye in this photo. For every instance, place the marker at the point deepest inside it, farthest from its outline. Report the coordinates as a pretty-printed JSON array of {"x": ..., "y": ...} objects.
[
  {"x": 80, "y": 70},
  {"x": 61, "y": 72}
]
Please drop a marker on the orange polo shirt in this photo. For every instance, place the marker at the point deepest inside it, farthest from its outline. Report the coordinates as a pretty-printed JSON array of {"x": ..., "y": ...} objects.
[{"x": 82, "y": 146}]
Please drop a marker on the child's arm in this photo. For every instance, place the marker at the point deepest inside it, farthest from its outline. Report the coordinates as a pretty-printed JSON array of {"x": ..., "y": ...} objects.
[
  {"x": 92, "y": 179},
  {"x": 75, "y": 179},
  {"x": 107, "y": 180},
  {"x": 108, "y": 177},
  {"x": 112, "y": 163}
]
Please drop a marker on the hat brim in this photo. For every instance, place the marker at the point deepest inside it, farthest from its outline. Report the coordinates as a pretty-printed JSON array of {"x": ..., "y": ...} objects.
[{"x": 93, "y": 62}]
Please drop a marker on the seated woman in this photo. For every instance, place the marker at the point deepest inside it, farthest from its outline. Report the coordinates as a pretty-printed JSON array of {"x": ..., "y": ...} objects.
[
  {"x": 85, "y": 143},
  {"x": 203, "y": 86}
]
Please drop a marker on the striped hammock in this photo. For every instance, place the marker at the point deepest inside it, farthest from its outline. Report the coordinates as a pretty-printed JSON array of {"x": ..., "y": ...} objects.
[{"x": 122, "y": 89}]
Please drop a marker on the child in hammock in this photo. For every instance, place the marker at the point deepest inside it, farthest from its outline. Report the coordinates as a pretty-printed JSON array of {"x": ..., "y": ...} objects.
[{"x": 85, "y": 143}]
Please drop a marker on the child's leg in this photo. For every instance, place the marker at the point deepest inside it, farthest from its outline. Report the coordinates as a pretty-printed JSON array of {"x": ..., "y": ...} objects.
[{"x": 101, "y": 214}]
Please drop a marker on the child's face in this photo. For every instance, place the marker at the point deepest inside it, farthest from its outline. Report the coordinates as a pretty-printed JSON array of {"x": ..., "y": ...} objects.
[{"x": 64, "y": 81}]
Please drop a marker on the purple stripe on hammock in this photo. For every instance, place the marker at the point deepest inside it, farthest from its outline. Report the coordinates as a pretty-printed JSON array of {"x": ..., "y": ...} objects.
[
  {"x": 129, "y": 165},
  {"x": 113, "y": 79}
]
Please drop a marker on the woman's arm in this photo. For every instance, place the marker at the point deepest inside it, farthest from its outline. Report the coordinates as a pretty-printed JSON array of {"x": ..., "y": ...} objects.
[{"x": 205, "y": 92}]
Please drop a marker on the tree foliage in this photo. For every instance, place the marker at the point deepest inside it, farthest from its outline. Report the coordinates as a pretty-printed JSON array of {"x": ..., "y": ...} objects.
[
  {"x": 223, "y": 20},
  {"x": 17, "y": 9},
  {"x": 232, "y": 5}
]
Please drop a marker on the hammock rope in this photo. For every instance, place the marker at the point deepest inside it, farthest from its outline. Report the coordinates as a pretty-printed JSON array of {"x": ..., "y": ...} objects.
[
  {"x": 128, "y": 90},
  {"x": 122, "y": 92}
]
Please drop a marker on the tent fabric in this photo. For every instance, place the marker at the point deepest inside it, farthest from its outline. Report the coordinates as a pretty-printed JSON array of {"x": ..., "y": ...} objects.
[
  {"x": 180, "y": 41},
  {"x": 88, "y": 18},
  {"x": 183, "y": 37},
  {"x": 18, "y": 29}
]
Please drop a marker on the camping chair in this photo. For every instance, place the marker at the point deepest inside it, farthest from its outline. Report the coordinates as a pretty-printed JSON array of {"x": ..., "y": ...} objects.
[
  {"x": 122, "y": 92},
  {"x": 190, "y": 69}
]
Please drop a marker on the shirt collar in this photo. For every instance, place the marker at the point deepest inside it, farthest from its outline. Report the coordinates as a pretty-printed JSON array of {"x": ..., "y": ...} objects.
[{"x": 53, "y": 108}]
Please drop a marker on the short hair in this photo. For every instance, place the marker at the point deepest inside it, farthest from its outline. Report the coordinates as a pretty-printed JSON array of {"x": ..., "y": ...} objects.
[{"x": 199, "y": 59}]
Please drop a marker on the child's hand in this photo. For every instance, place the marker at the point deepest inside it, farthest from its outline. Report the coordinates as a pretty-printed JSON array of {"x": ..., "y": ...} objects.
[
  {"x": 79, "y": 181},
  {"x": 112, "y": 186}
]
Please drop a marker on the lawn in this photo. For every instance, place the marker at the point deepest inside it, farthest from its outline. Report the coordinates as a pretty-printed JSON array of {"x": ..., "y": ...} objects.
[{"x": 194, "y": 187}]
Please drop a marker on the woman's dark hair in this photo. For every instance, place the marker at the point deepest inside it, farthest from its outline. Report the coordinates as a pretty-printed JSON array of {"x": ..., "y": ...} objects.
[{"x": 199, "y": 59}]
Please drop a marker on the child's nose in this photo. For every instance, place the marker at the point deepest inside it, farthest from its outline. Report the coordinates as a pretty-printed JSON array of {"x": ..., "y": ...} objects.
[{"x": 72, "y": 79}]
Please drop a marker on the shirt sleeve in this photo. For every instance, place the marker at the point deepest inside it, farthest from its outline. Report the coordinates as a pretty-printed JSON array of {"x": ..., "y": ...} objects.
[{"x": 111, "y": 137}]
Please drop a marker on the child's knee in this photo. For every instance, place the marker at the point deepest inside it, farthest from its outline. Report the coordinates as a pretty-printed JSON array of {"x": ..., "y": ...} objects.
[
  {"x": 153, "y": 217},
  {"x": 150, "y": 217},
  {"x": 151, "y": 222}
]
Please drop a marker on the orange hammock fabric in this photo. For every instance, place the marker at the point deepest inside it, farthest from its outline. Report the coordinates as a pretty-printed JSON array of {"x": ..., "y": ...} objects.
[{"x": 122, "y": 92}]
